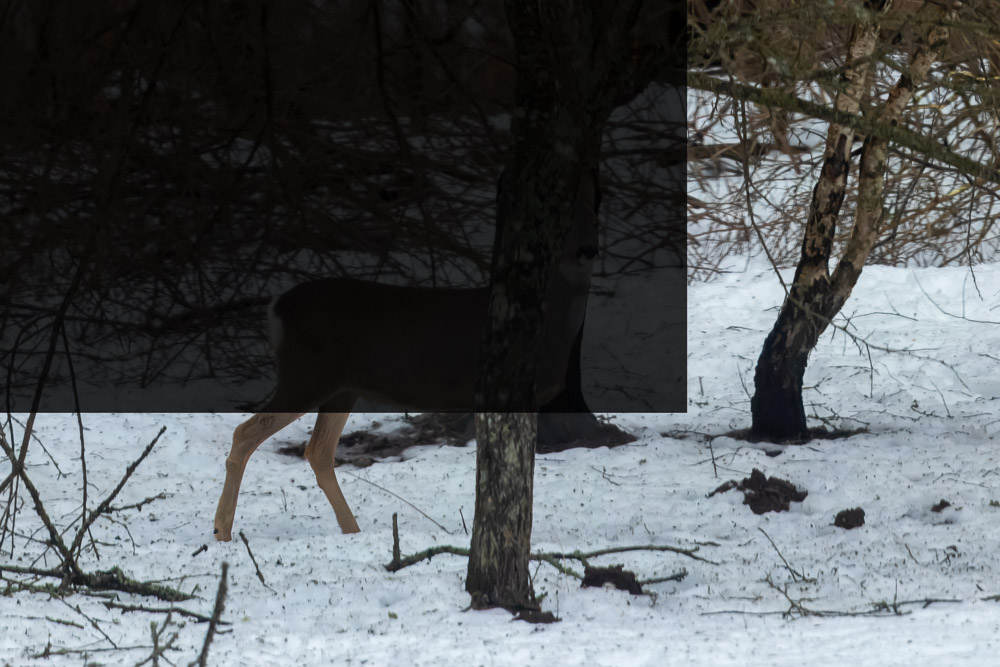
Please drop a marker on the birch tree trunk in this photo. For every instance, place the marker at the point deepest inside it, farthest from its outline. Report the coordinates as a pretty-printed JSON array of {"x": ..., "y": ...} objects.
[{"x": 816, "y": 295}]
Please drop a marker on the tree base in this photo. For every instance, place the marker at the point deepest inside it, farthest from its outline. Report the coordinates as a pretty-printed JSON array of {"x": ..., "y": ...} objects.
[
  {"x": 559, "y": 431},
  {"x": 777, "y": 409}
]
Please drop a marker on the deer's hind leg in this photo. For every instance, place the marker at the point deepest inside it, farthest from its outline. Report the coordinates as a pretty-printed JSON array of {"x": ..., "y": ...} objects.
[{"x": 321, "y": 453}]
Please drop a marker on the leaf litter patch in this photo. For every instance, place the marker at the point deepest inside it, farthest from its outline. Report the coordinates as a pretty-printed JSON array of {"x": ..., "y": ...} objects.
[
  {"x": 764, "y": 494},
  {"x": 615, "y": 575},
  {"x": 362, "y": 448}
]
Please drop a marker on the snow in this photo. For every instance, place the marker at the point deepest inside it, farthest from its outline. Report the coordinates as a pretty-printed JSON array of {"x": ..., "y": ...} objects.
[{"x": 929, "y": 407}]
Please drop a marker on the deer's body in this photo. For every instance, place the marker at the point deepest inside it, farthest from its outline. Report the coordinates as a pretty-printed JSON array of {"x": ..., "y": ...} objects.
[{"x": 337, "y": 340}]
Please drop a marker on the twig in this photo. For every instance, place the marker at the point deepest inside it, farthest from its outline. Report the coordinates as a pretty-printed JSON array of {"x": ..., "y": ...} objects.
[
  {"x": 911, "y": 554},
  {"x": 156, "y": 634},
  {"x": 62, "y": 621},
  {"x": 201, "y": 618},
  {"x": 49, "y": 651},
  {"x": 426, "y": 554},
  {"x": 93, "y": 623},
  {"x": 396, "y": 495},
  {"x": 554, "y": 562},
  {"x": 52, "y": 591},
  {"x": 604, "y": 474},
  {"x": 260, "y": 575},
  {"x": 106, "y": 503},
  {"x": 67, "y": 554},
  {"x": 395, "y": 539},
  {"x": 553, "y": 558},
  {"x": 113, "y": 579},
  {"x": 747, "y": 181},
  {"x": 676, "y": 576},
  {"x": 220, "y": 604},
  {"x": 83, "y": 449},
  {"x": 138, "y": 506},
  {"x": 795, "y": 575},
  {"x": 690, "y": 553},
  {"x": 877, "y": 608}
]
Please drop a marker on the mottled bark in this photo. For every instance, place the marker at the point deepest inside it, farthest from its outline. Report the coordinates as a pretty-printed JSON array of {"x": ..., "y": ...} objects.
[
  {"x": 532, "y": 219},
  {"x": 815, "y": 296},
  {"x": 576, "y": 61},
  {"x": 501, "y": 532}
]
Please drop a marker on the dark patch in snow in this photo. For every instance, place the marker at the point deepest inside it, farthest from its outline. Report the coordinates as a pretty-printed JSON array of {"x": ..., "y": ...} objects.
[
  {"x": 622, "y": 579},
  {"x": 941, "y": 506},
  {"x": 769, "y": 494},
  {"x": 819, "y": 433},
  {"x": 535, "y": 616},
  {"x": 722, "y": 488},
  {"x": 362, "y": 448},
  {"x": 763, "y": 493},
  {"x": 848, "y": 519}
]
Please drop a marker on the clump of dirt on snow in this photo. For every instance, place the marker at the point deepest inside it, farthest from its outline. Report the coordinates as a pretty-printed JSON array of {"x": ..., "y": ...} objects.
[
  {"x": 763, "y": 493},
  {"x": 615, "y": 575},
  {"x": 848, "y": 519}
]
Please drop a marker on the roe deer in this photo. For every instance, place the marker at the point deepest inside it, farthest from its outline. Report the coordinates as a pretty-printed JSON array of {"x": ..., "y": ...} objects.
[{"x": 337, "y": 340}]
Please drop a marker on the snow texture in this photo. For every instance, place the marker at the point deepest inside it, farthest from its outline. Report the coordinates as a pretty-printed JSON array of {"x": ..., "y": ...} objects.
[{"x": 930, "y": 415}]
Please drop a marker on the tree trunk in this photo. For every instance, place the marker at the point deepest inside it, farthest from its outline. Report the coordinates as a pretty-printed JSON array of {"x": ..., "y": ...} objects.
[
  {"x": 815, "y": 295},
  {"x": 777, "y": 407},
  {"x": 576, "y": 61},
  {"x": 501, "y": 532},
  {"x": 532, "y": 221}
]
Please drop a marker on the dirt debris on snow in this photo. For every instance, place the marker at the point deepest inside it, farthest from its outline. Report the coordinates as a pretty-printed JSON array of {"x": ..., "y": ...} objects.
[
  {"x": 848, "y": 519},
  {"x": 764, "y": 494}
]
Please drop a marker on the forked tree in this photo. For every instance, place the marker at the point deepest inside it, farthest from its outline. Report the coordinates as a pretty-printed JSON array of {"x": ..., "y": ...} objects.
[
  {"x": 779, "y": 51},
  {"x": 816, "y": 294}
]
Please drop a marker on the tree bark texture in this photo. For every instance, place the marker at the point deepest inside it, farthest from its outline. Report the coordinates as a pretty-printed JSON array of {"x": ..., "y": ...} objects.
[
  {"x": 815, "y": 295},
  {"x": 501, "y": 532},
  {"x": 576, "y": 61}
]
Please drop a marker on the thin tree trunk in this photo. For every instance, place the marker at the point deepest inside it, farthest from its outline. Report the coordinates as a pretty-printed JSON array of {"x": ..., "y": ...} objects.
[
  {"x": 777, "y": 408},
  {"x": 501, "y": 533},
  {"x": 815, "y": 295},
  {"x": 576, "y": 61}
]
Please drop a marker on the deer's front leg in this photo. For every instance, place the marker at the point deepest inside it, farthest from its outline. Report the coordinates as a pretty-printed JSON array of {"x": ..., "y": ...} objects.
[
  {"x": 246, "y": 439},
  {"x": 321, "y": 453}
]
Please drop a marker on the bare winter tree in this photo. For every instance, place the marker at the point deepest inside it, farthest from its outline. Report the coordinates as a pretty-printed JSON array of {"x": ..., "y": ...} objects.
[{"x": 864, "y": 110}]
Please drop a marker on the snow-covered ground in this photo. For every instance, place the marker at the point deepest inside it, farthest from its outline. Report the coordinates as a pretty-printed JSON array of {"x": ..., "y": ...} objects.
[{"x": 931, "y": 414}]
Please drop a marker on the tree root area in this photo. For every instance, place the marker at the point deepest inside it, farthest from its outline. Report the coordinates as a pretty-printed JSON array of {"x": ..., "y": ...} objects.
[
  {"x": 818, "y": 433},
  {"x": 362, "y": 448}
]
